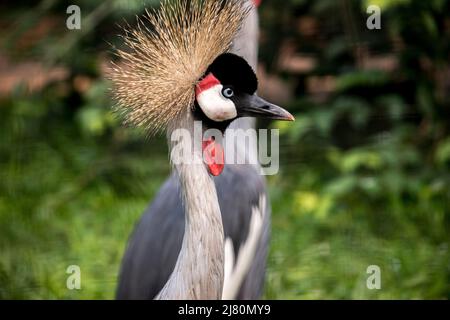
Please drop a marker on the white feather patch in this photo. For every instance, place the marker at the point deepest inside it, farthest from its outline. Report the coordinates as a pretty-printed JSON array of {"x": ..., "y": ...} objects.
[
  {"x": 215, "y": 106},
  {"x": 235, "y": 272}
]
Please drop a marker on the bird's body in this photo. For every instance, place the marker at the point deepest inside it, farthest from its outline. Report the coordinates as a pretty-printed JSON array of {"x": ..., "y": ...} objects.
[{"x": 154, "y": 246}]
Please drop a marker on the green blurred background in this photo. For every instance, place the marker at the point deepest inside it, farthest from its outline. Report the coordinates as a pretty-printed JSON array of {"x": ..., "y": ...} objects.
[{"x": 364, "y": 177}]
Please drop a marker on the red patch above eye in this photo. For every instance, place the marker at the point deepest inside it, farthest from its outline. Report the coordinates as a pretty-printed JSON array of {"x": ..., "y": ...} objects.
[{"x": 207, "y": 83}]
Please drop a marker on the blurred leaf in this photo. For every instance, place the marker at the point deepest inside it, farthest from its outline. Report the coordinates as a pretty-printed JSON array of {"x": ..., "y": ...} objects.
[
  {"x": 383, "y": 4},
  {"x": 443, "y": 152},
  {"x": 394, "y": 105},
  {"x": 94, "y": 121},
  {"x": 369, "y": 78},
  {"x": 357, "y": 159},
  {"x": 357, "y": 109}
]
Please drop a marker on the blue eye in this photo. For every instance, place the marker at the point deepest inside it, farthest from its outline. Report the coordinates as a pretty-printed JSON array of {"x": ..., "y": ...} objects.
[{"x": 228, "y": 92}]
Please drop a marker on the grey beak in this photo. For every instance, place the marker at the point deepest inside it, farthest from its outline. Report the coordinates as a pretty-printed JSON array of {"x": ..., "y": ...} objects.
[{"x": 254, "y": 106}]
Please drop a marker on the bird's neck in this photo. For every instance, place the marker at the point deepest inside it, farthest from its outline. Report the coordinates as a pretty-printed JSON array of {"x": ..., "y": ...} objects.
[{"x": 199, "y": 271}]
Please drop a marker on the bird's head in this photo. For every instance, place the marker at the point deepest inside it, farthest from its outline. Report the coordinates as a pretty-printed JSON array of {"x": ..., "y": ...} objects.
[
  {"x": 178, "y": 64},
  {"x": 178, "y": 68},
  {"x": 227, "y": 91}
]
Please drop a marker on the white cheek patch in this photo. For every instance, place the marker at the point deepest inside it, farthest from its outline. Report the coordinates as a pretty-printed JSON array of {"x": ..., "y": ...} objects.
[
  {"x": 215, "y": 106},
  {"x": 210, "y": 99}
]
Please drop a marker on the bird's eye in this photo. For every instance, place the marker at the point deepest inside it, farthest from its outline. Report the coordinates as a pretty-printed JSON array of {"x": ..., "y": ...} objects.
[{"x": 228, "y": 92}]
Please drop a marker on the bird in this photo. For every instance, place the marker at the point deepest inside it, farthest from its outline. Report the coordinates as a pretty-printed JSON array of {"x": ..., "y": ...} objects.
[{"x": 175, "y": 73}]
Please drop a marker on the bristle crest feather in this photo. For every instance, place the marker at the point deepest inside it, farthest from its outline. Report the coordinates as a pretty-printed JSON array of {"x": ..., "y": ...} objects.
[{"x": 154, "y": 83}]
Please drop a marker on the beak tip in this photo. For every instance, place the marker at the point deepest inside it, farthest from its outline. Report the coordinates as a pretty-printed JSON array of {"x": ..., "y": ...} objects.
[{"x": 288, "y": 117}]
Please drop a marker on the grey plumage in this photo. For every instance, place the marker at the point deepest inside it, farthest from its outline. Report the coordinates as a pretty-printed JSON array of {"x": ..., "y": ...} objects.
[{"x": 154, "y": 246}]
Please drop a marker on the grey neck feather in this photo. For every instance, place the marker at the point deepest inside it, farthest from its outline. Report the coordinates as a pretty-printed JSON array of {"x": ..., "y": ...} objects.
[{"x": 199, "y": 271}]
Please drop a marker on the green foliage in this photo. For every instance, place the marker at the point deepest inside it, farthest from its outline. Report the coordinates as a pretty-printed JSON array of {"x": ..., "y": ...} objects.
[
  {"x": 68, "y": 198},
  {"x": 370, "y": 170}
]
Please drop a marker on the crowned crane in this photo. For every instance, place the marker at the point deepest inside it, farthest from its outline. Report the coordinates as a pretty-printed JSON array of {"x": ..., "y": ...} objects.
[{"x": 205, "y": 236}]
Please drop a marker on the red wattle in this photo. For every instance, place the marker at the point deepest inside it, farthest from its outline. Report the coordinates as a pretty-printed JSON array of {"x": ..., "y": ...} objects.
[{"x": 214, "y": 157}]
